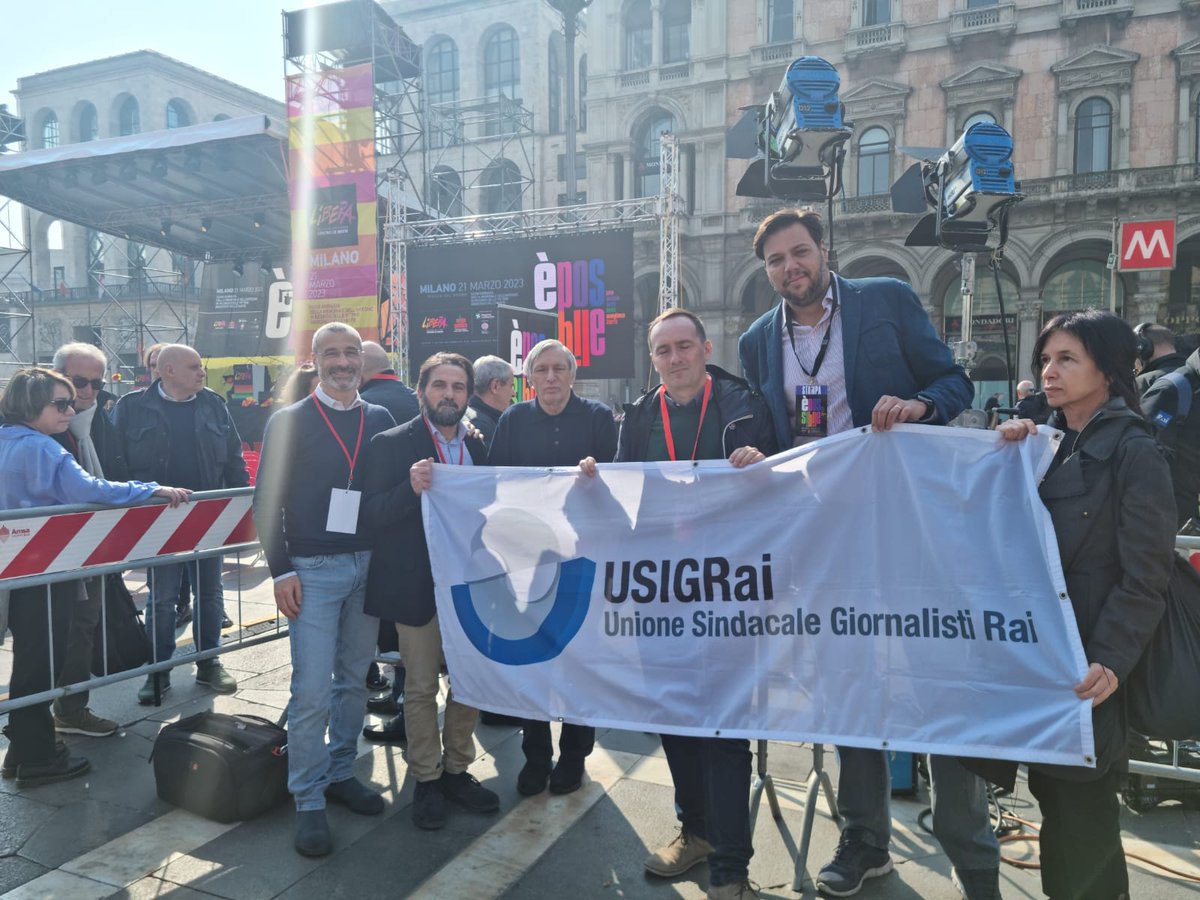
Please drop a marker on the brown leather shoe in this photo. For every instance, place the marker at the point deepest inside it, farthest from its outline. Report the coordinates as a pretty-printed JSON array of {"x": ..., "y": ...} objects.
[{"x": 686, "y": 851}]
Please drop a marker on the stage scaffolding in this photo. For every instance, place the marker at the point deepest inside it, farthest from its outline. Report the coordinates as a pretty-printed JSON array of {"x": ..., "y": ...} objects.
[{"x": 16, "y": 265}]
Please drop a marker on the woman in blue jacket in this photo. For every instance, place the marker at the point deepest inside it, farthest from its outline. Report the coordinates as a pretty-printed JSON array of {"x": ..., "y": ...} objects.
[{"x": 38, "y": 471}]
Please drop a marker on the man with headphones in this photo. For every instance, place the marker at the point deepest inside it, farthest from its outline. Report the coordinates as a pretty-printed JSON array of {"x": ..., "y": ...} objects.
[
  {"x": 1177, "y": 425},
  {"x": 1156, "y": 354}
]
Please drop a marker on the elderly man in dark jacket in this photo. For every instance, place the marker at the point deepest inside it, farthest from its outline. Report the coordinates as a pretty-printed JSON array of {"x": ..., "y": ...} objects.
[
  {"x": 383, "y": 387},
  {"x": 177, "y": 431}
]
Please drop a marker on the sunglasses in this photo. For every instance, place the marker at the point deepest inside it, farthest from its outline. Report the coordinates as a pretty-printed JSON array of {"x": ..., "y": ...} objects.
[
  {"x": 80, "y": 383},
  {"x": 62, "y": 404}
]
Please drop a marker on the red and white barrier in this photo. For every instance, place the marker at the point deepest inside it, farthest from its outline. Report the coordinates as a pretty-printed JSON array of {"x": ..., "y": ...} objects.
[{"x": 50, "y": 544}]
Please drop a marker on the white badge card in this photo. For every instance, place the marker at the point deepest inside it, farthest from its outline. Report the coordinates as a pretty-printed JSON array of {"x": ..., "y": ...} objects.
[{"x": 343, "y": 511}]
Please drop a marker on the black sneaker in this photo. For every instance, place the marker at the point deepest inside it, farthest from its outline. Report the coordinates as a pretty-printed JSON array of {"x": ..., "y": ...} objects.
[
  {"x": 355, "y": 796},
  {"x": 532, "y": 779},
  {"x": 465, "y": 790},
  {"x": 312, "y": 833},
  {"x": 853, "y": 863},
  {"x": 429, "y": 806},
  {"x": 567, "y": 775},
  {"x": 60, "y": 767}
]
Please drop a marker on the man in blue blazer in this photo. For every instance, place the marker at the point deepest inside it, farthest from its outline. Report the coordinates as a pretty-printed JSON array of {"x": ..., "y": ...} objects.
[{"x": 833, "y": 355}]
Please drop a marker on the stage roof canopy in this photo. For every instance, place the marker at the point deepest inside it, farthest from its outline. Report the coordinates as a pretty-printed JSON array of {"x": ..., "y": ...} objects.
[{"x": 216, "y": 191}]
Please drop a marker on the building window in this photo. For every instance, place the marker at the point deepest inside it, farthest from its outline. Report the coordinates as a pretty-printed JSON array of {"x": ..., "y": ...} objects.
[
  {"x": 445, "y": 192},
  {"x": 781, "y": 20},
  {"x": 876, "y": 12},
  {"x": 441, "y": 87},
  {"x": 54, "y": 235},
  {"x": 582, "y": 115},
  {"x": 502, "y": 187},
  {"x": 647, "y": 155},
  {"x": 1093, "y": 136},
  {"x": 177, "y": 115},
  {"x": 981, "y": 4},
  {"x": 1082, "y": 284},
  {"x": 976, "y": 118},
  {"x": 130, "y": 121},
  {"x": 502, "y": 77},
  {"x": 580, "y": 166},
  {"x": 89, "y": 123},
  {"x": 676, "y": 26},
  {"x": 554, "y": 72},
  {"x": 874, "y": 157},
  {"x": 639, "y": 35},
  {"x": 50, "y": 130}
]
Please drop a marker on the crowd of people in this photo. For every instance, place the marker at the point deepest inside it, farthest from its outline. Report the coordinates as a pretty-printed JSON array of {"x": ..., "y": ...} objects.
[{"x": 337, "y": 505}]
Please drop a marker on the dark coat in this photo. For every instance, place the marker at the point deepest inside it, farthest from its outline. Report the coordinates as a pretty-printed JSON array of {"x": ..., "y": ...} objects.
[
  {"x": 1157, "y": 368},
  {"x": 1114, "y": 518},
  {"x": 484, "y": 417},
  {"x": 387, "y": 390},
  {"x": 745, "y": 419},
  {"x": 400, "y": 580},
  {"x": 146, "y": 439}
]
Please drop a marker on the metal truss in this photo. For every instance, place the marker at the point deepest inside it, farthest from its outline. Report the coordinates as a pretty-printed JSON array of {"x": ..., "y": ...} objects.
[
  {"x": 16, "y": 264},
  {"x": 668, "y": 236}
]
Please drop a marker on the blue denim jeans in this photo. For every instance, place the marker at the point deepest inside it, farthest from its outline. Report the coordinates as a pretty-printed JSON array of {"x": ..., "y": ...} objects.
[
  {"x": 333, "y": 643},
  {"x": 207, "y": 609}
]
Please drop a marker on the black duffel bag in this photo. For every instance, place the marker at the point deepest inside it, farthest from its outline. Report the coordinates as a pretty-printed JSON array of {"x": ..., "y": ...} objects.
[
  {"x": 120, "y": 629},
  {"x": 225, "y": 768},
  {"x": 1163, "y": 692}
]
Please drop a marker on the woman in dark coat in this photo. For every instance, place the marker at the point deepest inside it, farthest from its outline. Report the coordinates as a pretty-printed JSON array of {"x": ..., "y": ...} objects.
[{"x": 1108, "y": 491}]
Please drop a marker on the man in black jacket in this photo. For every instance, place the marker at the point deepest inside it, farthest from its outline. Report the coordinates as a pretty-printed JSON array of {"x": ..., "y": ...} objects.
[
  {"x": 1156, "y": 355},
  {"x": 177, "y": 431},
  {"x": 383, "y": 387},
  {"x": 493, "y": 395},
  {"x": 93, "y": 442},
  {"x": 399, "y": 467},
  {"x": 700, "y": 412}
]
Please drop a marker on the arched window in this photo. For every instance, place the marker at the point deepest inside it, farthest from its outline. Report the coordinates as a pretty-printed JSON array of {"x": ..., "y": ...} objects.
[
  {"x": 177, "y": 115},
  {"x": 445, "y": 191},
  {"x": 780, "y": 20},
  {"x": 54, "y": 235},
  {"x": 89, "y": 123},
  {"x": 554, "y": 76},
  {"x": 129, "y": 118},
  {"x": 1080, "y": 284},
  {"x": 647, "y": 153},
  {"x": 874, "y": 158},
  {"x": 502, "y": 76},
  {"x": 502, "y": 187},
  {"x": 441, "y": 87},
  {"x": 639, "y": 35},
  {"x": 582, "y": 115},
  {"x": 976, "y": 118},
  {"x": 876, "y": 12},
  {"x": 1093, "y": 136},
  {"x": 50, "y": 130},
  {"x": 676, "y": 26}
]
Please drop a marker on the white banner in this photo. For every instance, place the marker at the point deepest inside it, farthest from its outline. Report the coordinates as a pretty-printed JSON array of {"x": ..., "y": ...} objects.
[{"x": 897, "y": 590}]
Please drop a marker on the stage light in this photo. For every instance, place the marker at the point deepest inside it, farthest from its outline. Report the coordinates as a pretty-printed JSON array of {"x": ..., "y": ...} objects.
[
  {"x": 128, "y": 170},
  {"x": 258, "y": 220},
  {"x": 265, "y": 264},
  {"x": 205, "y": 224},
  {"x": 239, "y": 267},
  {"x": 158, "y": 168},
  {"x": 165, "y": 228}
]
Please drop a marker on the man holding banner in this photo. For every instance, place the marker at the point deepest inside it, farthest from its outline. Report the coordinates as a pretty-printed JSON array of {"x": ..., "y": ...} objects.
[
  {"x": 837, "y": 354},
  {"x": 700, "y": 412}
]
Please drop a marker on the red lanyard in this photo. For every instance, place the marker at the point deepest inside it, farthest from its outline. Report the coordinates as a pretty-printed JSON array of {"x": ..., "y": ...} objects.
[
  {"x": 362, "y": 418},
  {"x": 437, "y": 445},
  {"x": 666, "y": 417}
]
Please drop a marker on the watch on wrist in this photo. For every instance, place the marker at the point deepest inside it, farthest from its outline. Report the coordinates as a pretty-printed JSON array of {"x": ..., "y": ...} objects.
[{"x": 929, "y": 406}]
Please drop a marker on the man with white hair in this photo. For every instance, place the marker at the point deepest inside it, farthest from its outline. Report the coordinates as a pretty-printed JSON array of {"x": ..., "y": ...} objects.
[
  {"x": 1031, "y": 403},
  {"x": 93, "y": 441},
  {"x": 177, "y": 431},
  {"x": 493, "y": 395}
]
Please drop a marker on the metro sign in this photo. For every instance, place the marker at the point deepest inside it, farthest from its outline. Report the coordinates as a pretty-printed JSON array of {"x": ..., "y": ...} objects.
[{"x": 1147, "y": 246}]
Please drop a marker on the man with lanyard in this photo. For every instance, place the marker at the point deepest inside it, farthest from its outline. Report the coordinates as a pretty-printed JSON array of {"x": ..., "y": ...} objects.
[
  {"x": 700, "y": 412},
  {"x": 306, "y": 509},
  {"x": 399, "y": 468},
  {"x": 837, "y": 354},
  {"x": 556, "y": 428}
]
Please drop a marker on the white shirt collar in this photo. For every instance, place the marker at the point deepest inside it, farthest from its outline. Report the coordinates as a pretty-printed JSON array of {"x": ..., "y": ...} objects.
[
  {"x": 826, "y": 304},
  {"x": 167, "y": 396},
  {"x": 320, "y": 394}
]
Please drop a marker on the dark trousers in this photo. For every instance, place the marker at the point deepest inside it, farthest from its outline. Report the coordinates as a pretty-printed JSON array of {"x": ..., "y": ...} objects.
[
  {"x": 75, "y": 662},
  {"x": 31, "y": 728},
  {"x": 712, "y": 796},
  {"x": 1080, "y": 841},
  {"x": 575, "y": 742}
]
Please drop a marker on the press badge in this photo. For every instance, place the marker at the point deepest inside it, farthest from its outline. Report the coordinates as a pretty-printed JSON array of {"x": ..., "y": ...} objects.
[
  {"x": 812, "y": 410},
  {"x": 343, "y": 511}
]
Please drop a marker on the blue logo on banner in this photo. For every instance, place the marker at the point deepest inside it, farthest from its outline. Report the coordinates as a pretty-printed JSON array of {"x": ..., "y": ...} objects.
[{"x": 573, "y": 594}]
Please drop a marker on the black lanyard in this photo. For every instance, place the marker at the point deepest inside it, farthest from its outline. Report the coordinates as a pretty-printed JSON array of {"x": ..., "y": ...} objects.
[{"x": 812, "y": 376}]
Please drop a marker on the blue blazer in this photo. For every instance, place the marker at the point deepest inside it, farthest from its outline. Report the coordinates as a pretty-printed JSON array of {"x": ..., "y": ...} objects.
[{"x": 888, "y": 347}]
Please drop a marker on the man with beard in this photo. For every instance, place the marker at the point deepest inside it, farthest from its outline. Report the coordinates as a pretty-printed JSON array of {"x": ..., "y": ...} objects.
[
  {"x": 306, "y": 509},
  {"x": 833, "y": 355},
  {"x": 399, "y": 468}
]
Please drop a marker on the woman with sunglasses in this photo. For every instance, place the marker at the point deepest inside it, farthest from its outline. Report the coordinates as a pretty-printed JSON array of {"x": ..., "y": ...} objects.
[{"x": 38, "y": 471}]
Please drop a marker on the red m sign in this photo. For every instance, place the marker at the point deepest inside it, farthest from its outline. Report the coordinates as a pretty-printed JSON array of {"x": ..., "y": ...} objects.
[{"x": 1147, "y": 245}]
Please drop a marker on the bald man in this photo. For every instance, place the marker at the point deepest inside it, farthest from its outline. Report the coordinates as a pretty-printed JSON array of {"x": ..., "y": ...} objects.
[
  {"x": 177, "y": 428},
  {"x": 382, "y": 386}
]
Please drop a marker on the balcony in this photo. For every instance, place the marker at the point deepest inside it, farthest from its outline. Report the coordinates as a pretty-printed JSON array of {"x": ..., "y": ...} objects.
[
  {"x": 1074, "y": 11},
  {"x": 776, "y": 56},
  {"x": 993, "y": 21},
  {"x": 650, "y": 78},
  {"x": 874, "y": 39},
  {"x": 870, "y": 203}
]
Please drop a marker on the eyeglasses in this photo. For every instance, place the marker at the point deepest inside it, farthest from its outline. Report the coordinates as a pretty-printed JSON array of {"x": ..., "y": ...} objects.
[
  {"x": 81, "y": 382},
  {"x": 62, "y": 404}
]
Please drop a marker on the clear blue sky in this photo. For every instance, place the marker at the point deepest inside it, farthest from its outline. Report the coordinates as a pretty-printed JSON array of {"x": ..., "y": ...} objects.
[{"x": 236, "y": 39}]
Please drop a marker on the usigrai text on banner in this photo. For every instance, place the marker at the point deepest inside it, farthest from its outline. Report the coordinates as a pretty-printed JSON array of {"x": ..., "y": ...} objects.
[{"x": 897, "y": 589}]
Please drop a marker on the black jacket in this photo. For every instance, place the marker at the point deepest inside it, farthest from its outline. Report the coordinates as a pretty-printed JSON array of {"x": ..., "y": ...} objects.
[
  {"x": 745, "y": 419},
  {"x": 108, "y": 443},
  {"x": 1181, "y": 438},
  {"x": 400, "y": 580},
  {"x": 1157, "y": 368},
  {"x": 483, "y": 417},
  {"x": 388, "y": 391},
  {"x": 1110, "y": 502},
  {"x": 145, "y": 439}
]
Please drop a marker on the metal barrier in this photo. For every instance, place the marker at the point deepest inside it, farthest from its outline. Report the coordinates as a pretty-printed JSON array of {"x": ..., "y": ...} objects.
[{"x": 45, "y": 546}]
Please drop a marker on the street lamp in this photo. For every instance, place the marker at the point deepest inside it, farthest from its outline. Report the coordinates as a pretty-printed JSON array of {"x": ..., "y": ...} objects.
[{"x": 570, "y": 10}]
